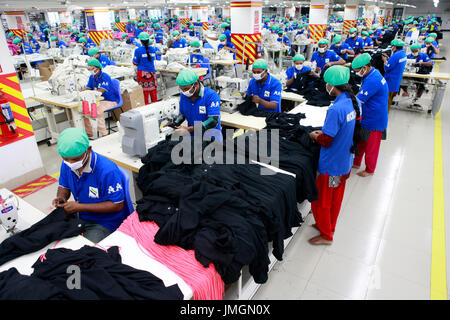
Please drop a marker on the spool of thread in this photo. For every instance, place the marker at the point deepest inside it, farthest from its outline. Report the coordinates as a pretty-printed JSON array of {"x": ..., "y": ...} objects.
[
  {"x": 93, "y": 110},
  {"x": 85, "y": 105}
]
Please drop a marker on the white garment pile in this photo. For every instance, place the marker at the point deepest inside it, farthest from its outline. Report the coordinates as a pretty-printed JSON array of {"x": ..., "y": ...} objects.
[
  {"x": 128, "y": 85},
  {"x": 123, "y": 53},
  {"x": 90, "y": 95},
  {"x": 67, "y": 77},
  {"x": 116, "y": 71},
  {"x": 175, "y": 66}
]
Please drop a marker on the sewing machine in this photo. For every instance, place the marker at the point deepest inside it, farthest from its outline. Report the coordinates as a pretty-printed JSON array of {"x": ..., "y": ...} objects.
[
  {"x": 232, "y": 91},
  {"x": 9, "y": 205},
  {"x": 143, "y": 126},
  {"x": 410, "y": 66}
]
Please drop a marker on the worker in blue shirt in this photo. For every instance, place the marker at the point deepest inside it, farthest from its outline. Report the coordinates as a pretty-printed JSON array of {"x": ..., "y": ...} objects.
[
  {"x": 394, "y": 66},
  {"x": 104, "y": 60},
  {"x": 432, "y": 47},
  {"x": 424, "y": 62},
  {"x": 377, "y": 30},
  {"x": 342, "y": 49},
  {"x": 130, "y": 27},
  {"x": 226, "y": 45},
  {"x": 353, "y": 41},
  {"x": 338, "y": 140},
  {"x": 367, "y": 41},
  {"x": 130, "y": 40},
  {"x": 139, "y": 29},
  {"x": 266, "y": 24},
  {"x": 424, "y": 33},
  {"x": 102, "y": 82},
  {"x": 298, "y": 67},
  {"x": 199, "y": 106},
  {"x": 178, "y": 42},
  {"x": 58, "y": 43},
  {"x": 159, "y": 34},
  {"x": 33, "y": 43},
  {"x": 86, "y": 46},
  {"x": 325, "y": 58},
  {"x": 196, "y": 59},
  {"x": 88, "y": 38},
  {"x": 226, "y": 31},
  {"x": 45, "y": 37},
  {"x": 264, "y": 88},
  {"x": 28, "y": 50},
  {"x": 374, "y": 96},
  {"x": 284, "y": 39},
  {"x": 95, "y": 182},
  {"x": 144, "y": 58}
]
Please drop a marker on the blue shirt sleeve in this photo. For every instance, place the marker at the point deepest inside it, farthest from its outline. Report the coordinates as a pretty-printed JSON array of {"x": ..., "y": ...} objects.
[
  {"x": 90, "y": 83},
  {"x": 334, "y": 56},
  {"x": 331, "y": 125},
  {"x": 112, "y": 189},
  {"x": 290, "y": 73},
  {"x": 136, "y": 58},
  {"x": 392, "y": 61},
  {"x": 213, "y": 107},
  {"x": 63, "y": 181},
  {"x": 275, "y": 92},
  {"x": 250, "y": 87},
  {"x": 314, "y": 56}
]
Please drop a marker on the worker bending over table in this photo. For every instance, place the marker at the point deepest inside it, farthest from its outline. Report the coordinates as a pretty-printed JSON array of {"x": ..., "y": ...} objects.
[
  {"x": 373, "y": 95},
  {"x": 342, "y": 49},
  {"x": 298, "y": 67},
  {"x": 394, "y": 66},
  {"x": 338, "y": 140},
  {"x": 264, "y": 89},
  {"x": 144, "y": 58},
  {"x": 104, "y": 60},
  {"x": 94, "y": 181},
  {"x": 179, "y": 42},
  {"x": 197, "y": 104},
  {"x": 103, "y": 83},
  {"x": 325, "y": 58}
]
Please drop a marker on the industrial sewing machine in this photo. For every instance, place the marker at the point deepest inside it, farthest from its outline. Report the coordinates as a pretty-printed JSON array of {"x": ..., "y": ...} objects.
[
  {"x": 143, "y": 126},
  {"x": 232, "y": 92},
  {"x": 9, "y": 206}
]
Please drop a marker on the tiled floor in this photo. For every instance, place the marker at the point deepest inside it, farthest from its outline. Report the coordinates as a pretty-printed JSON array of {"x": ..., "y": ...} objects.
[{"x": 382, "y": 247}]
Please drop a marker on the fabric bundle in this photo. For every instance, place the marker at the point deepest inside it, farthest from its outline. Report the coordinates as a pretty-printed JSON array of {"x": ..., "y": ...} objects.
[{"x": 205, "y": 282}]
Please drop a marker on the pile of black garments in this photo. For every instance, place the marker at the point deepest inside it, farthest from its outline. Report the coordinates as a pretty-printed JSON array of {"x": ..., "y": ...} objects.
[
  {"x": 313, "y": 90},
  {"x": 226, "y": 213},
  {"x": 101, "y": 276}
]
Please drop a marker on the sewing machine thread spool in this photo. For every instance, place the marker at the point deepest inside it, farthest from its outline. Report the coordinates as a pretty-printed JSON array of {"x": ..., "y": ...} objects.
[
  {"x": 85, "y": 105},
  {"x": 94, "y": 110}
]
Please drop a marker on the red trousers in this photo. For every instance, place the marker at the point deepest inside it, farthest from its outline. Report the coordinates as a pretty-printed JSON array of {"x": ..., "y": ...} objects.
[
  {"x": 326, "y": 208},
  {"x": 152, "y": 92},
  {"x": 147, "y": 80},
  {"x": 371, "y": 148}
]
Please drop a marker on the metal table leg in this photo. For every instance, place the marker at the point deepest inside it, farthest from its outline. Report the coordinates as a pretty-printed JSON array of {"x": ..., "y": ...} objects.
[{"x": 51, "y": 123}]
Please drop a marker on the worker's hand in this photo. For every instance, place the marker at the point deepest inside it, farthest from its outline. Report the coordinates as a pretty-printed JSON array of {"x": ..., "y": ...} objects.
[
  {"x": 327, "y": 65},
  {"x": 314, "y": 134},
  {"x": 58, "y": 202},
  {"x": 181, "y": 130},
  {"x": 256, "y": 99},
  {"x": 71, "y": 207}
]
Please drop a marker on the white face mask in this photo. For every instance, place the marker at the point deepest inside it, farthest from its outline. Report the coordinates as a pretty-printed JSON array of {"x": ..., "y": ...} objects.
[
  {"x": 223, "y": 42},
  {"x": 415, "y": 54},
  {"x": 188, "y": 93},
  {"x": 352, "y": 35},
  {"x": 329, "y": 92},
  {"x": 322, "y": 50},
  {"x": 75, "y": 165},
  {"x": 359, "y": 74},
  {"x": 258, "y": 76},
  {"x": 299, "y": 67}
]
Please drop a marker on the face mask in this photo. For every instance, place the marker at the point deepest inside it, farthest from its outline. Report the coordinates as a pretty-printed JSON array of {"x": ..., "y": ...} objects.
[
  {"x": 258, "y": 76},
  {"x": 75, "y": 165},
  {"x": 338, "y": 44},
  {"x": 223, "y": 42},
  {"x": 415, "y": 54},
  {"x": 299, "y": 67},
  {"x": 322, "y": 50},
  {"x": 188, "y": 93},
  {"x": 360, "y": 73},
  {"x": 352, "y": 35},
  {"x": 329, "y": 92}
]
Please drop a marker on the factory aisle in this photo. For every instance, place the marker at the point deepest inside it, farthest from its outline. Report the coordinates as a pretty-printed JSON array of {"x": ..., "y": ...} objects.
[{"x": 382, "y": 247}]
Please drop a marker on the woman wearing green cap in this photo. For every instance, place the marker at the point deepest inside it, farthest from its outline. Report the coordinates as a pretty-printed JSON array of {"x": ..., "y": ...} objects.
[
  {"x": 85, "y": 45},
  {"x": 57, "y": 43},
  {"x": 431, "y": 46},
  {"x": 178, "y": 41},
  {"x": 139, "y": 29},
  {"x": 144, "y": 58},
  {"x": 367, "y": 41},
  {"x": 130, "y": 27},
  {"x": 339, "y": 140},
  {"x": 159, "y": 33},
  {"x": 325, "y": 58},
  {"x": 298, "y": 67},
  {"x": 373, "y": 95},
  {"x": 198, "y": 104},
  {"x": 33, "y": 42},
  {"x": 94, "y": 181},
  {"x": 342, "y": 49},
  {"x": 104, "y": 60},
  {"x": 353, "y": 41},
  {"x": 394, "y": 66},
  {"x": 264, "y": 89},
  {"x": 226, "y": 31},
  {"x": 102, "y": 82}
]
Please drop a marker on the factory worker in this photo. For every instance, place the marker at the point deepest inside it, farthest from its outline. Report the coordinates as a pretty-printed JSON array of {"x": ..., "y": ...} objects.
[
  {"x": 116, "y": 33},
  {"x": 336, "y": 154},
  {"x": 104, "y": 60},
  {"x": 33, "y": 43},
  {"x": 28, "y": 50},
  {"x": 130, "y": 40},
  {"x": 367, "y": 40},
  {"x": 88, "y": 39},
  {"x": 15, "y": 47},
  {"x": 86, "y": 46},
  {"x": 159, "y": 34},
  {"x": 342, "y": 49},
  {"x": 422, "y": 60},
  {"x": 431, "y": 46},
  {"x": 130, "y": 27},
  {"x": 101, "y": 82},
  {"x": 196, "y": 59},
  {"x": 266, "y": 24},
  {"x": 227, "y": 45},
  {"x": 226, "y": 31},
  {"x": 298, "y": 67},
  {"x": 139, "y": 29},
  {"x": 354, "y": 42},
  {"x": 184, "y": 29},
  {"x": 373, "y": 95},
  {"x": 144, "y": 58},
  {"x": 325, "y": 58},
  {"x": 394, "y": 66},
  {"x": 10, "y": 37},
  {"x": 178, "y": 42},
  {"x": 197, "y": 104},
  {"x": 423, "y": 32},
  {"x": 95, "y": 183},
  {"x": 284, "y": 39},
  {"x": 264, "y": 88},
  {"x": 58, "y": 43}
]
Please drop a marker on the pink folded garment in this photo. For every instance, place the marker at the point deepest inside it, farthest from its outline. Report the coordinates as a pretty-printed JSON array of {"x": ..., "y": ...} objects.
[{"x": 206, "y": 283}]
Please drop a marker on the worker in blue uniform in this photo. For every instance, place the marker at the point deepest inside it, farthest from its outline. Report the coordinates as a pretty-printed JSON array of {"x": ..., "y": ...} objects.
[
  {"x": 432, "y": 47},
  {"x": 86, "y": 46},
  {"x": 95, "y": 182},
  {"x": 139, "y": 29},
  {"x": 325, "y": 58},
  {"x": 58, "y": 43},
  {"x": 341, "y": 48},
  {"x": 159, "y": 33},
  {"x": 353, "y": 41},
  {"x": 130, "y": 40},
  {"x": 226, "y": 45},
  {"x": 264, "y": 89},
  {"x": 33, "y": 43},
  {"x": 178, "y": 42},
  {"x": 28, "y": 49},
  {"x": 284, "y": 39},
  {"x": 130, "y": 27},
  {"x": 298, "y": 67},
  {"x": 104, "y": 60},
  {"x": 199, "y": 106},
  {"x": 367, "y": 40},
  {"x": 196, "y": 59},
  {"x": 394, "y": 67},
  {"x": 374, "y": 96}
]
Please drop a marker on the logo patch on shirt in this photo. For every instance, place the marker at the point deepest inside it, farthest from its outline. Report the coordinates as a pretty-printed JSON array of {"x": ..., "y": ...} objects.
[
  {"x": 93, "y": 193},
  {"x": 266, "y": 93},
  {"x": 112, "y": 190},
  {"x": 351, "y": 116},
  {"x": 383, "y": 81},
  {"x": 327, "y": 60},
  {"x": 202, "y": 109}
]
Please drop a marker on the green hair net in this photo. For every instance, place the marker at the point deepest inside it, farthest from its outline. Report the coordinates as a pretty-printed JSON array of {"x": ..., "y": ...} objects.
[
  {"x": 299, "y": 57},
  {"x": 93, "y": 51},
  {"x": 195, "y": 44},
  {"x": 415, "y": 46},
  {"x": 361, "y": 60},
  {"x": 323, "y": 41},
  {"x": 95, "y": 63},
  {"x": 429, "y": 40},
  {"x": 352, "y": 30},
  {"x": 144, "y": 36},
  {"x": 72, "y": 142},
  {"x": 82, "y": 40},
  {"x": 186, "y": 77},
  {"x": 397, "y": 43},
  {"x": 222, "y": 37},
  {"x": 17, "y": 40},
  {"x": 337, "y": 75},
  {"x": 260, "y": 64}
]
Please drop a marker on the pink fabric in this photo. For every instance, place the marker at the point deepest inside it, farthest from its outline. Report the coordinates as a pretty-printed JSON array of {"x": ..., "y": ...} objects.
[
  {"x": 15, "y": 50},
  {"x": 101, "y": 127},
  {"x": 117, "y": 35},
  {"x": 206, "y": 283}
]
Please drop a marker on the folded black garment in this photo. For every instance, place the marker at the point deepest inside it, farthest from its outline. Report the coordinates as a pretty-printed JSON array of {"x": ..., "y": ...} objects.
[
  {"x": 102, "y": 276},
  {"x": 56, "y": 226},
  {"x": 249, "y": 108}
]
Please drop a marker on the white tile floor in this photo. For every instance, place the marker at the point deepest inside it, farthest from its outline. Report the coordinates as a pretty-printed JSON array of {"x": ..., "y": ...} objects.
[{"x": 382, "y": 247}]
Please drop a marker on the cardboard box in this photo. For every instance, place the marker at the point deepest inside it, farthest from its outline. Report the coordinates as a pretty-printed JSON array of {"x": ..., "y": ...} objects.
[
  {"x": 46, "y": 70},
  {"x": 131, "y": 100}
]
